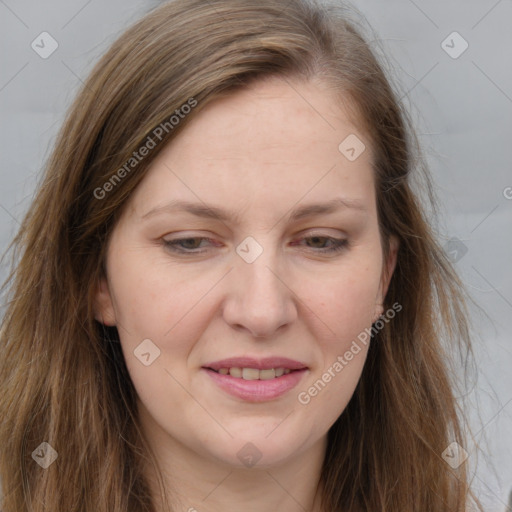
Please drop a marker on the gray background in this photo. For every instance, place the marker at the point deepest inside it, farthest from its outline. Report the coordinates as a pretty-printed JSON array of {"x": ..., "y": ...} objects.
[{"x": 461, "y": 106}]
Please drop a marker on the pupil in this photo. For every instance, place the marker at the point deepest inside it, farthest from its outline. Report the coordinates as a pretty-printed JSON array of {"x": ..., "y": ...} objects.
[{"x": 189, "y": 242}]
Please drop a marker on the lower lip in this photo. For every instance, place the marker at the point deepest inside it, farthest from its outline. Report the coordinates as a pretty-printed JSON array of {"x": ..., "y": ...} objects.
[{"x": 256, "y": 390}]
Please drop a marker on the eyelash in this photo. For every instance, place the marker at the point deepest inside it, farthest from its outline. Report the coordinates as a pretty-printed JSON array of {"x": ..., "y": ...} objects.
[{"x": 338, "y": 244}]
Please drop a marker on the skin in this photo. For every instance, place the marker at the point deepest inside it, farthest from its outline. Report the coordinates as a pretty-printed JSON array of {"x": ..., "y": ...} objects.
[{"x": 258, "y": 153}]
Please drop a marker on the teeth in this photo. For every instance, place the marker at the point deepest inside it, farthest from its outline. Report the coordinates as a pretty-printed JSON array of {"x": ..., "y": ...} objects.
[
  {"x": 254, "y": 373},
  {"x": 250, "y": 374},
  {"x": 267, "y": 374},
  {"x": 236, "y": 372}
]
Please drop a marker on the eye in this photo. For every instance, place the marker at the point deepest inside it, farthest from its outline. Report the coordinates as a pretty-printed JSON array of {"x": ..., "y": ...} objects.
[
  {"x": 319, "y": 242},
  {"x": 198, "y": 245},
  {"x": 188, "y": 245}
]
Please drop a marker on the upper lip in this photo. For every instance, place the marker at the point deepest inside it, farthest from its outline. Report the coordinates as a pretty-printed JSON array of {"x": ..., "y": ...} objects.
[{"x": 260, "y": 364}]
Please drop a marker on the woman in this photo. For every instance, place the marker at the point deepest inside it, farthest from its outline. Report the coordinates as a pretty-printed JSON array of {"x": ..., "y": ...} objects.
[{"x": 227, "y": 295}]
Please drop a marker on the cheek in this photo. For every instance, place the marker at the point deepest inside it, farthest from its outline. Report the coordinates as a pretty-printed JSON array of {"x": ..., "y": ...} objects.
[
  {"x": 173, "y": 309},
  {"x": 157, "y": 303},
  {"x": 346, "y": 306},
  {"x": 345, "y": 301},
  {"x": 330, "y": 389},
  {"x": 154, "y": 299},
  {"x": 343, "y": 307}
]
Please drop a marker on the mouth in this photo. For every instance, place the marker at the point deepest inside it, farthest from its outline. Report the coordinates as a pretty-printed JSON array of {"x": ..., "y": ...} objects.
[
  {"x": 256, "y": 380},
  {"x": 253, "y": 373}
]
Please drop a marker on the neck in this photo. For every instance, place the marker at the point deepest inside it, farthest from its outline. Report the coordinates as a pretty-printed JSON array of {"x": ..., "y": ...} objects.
[{"x": 197, "y": 483}]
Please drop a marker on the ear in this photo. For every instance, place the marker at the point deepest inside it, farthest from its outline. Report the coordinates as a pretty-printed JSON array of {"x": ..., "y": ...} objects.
[
  {"x": 103, "y": 305},
  {"x": 388, "y": 268}
]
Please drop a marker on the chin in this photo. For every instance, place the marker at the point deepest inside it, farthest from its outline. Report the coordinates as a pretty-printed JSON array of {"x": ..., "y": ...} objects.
[{"x": 258, "y": 450}]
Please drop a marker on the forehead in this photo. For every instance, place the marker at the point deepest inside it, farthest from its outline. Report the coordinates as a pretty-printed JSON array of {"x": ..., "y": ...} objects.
[
  {"x": 269, "y": 116},
  {"x": 270, "y": 144}
]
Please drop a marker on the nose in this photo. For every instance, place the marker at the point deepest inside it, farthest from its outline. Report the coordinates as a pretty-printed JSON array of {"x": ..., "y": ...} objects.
[{"x": 259, "y": 298}]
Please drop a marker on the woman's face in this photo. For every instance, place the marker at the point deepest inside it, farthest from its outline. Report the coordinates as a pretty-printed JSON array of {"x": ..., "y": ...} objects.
[{"x": 244, "y": 268}]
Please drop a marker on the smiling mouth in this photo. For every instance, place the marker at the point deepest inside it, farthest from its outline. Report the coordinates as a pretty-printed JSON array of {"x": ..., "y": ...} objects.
[
  {"x": 253, "y": 373},
  {"x": 256, "y": 380}
]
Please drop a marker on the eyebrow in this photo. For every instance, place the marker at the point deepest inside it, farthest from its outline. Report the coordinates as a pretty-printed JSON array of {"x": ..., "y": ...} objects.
[{"x": 213, "y": 212}]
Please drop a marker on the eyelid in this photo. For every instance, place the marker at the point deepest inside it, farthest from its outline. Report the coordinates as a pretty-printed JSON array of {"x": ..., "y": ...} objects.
[
  {"x": 307, "y": 233},
  {"x": 173, "y": 244},
  {"x": 338, "y": 244}
]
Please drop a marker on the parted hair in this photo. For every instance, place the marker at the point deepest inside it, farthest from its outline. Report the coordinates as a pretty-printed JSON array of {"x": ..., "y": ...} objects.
[{"x": 62, "y": 374}]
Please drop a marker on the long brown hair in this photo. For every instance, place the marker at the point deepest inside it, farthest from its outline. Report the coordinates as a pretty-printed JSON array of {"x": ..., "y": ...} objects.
[{"x": 63, "y": 377}]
